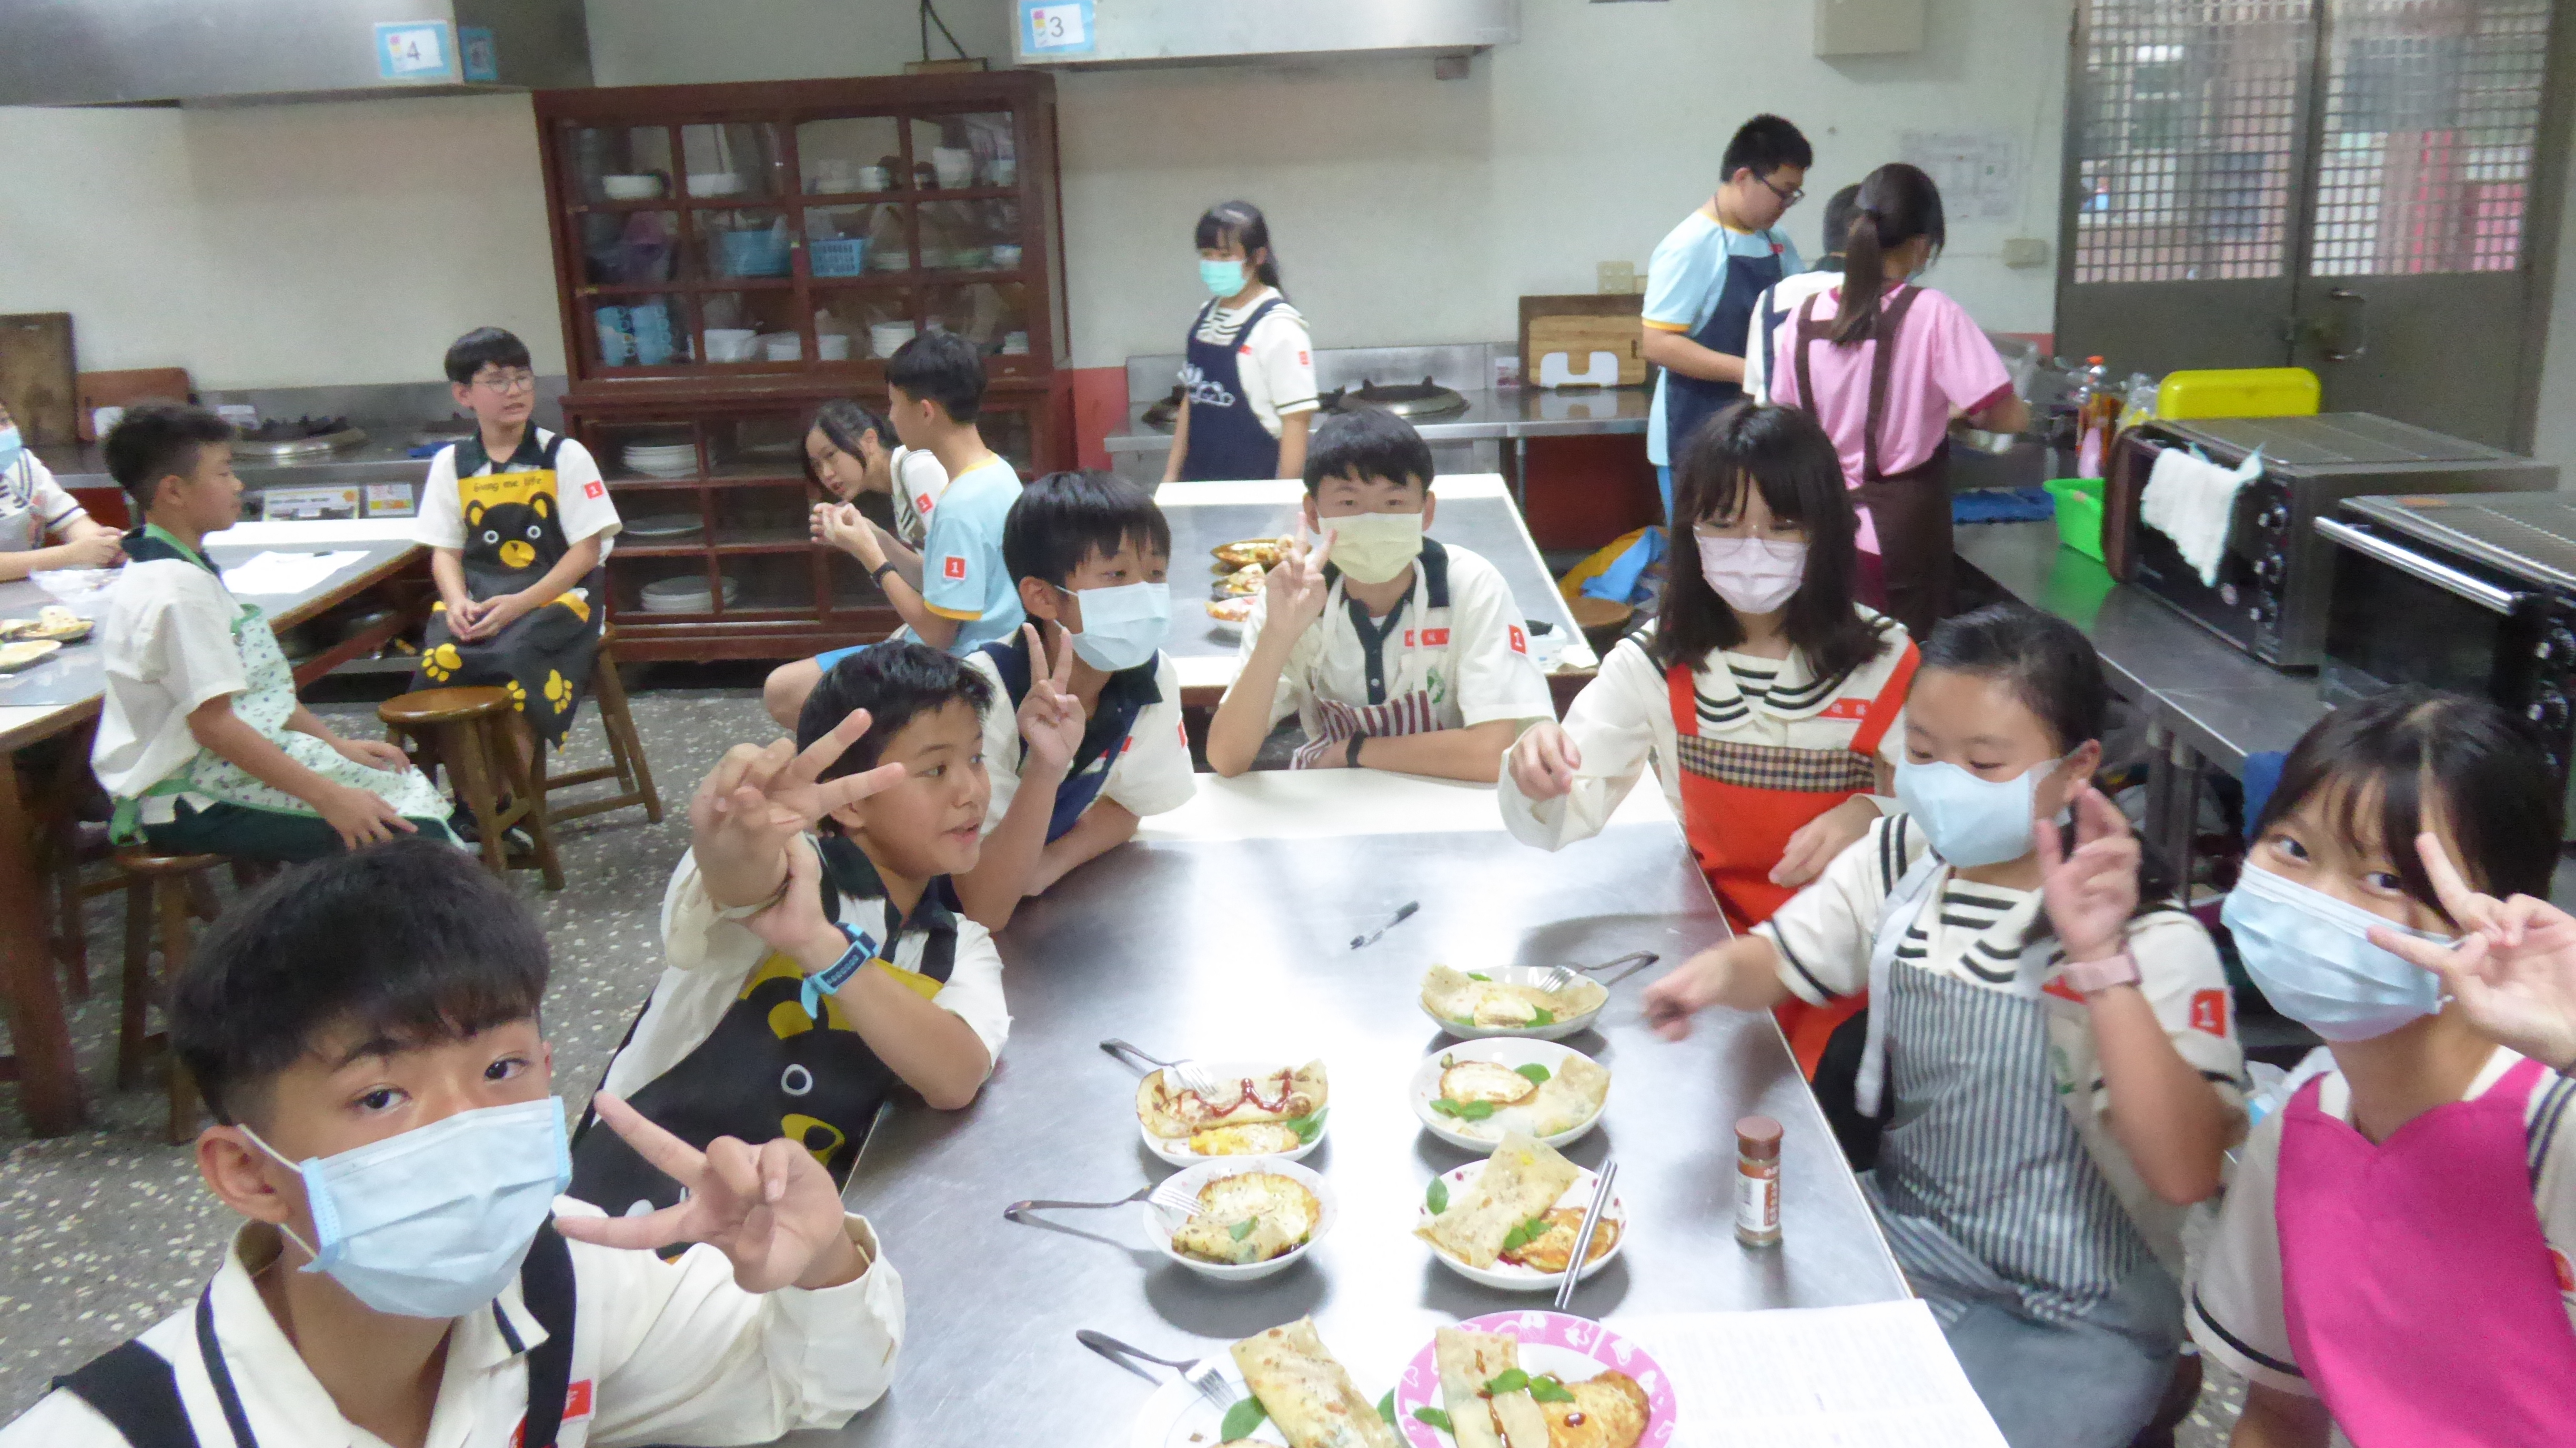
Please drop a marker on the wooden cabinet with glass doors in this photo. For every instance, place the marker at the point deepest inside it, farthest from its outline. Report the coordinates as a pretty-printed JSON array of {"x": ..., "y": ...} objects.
[{"x": 728, "y": 257}]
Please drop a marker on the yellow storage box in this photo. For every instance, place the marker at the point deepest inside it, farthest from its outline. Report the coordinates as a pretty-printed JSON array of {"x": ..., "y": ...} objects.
[{"x": 2239, "y": 392}]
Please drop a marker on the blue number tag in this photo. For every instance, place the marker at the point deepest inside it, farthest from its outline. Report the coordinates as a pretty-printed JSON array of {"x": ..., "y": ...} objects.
[
  {"x": 414, "y": 50},
  {"x": 1056, "y": 27},
  {"x": 482, "y": 58}
]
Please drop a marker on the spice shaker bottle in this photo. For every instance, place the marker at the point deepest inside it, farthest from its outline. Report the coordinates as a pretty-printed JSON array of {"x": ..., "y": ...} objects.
[{"x": 1757, "y": 1181}]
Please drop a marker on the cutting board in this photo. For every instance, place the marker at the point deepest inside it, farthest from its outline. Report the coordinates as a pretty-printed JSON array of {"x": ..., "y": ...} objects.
[
  {"x": 1575, "y": 328},
  {"x": 123, "y": 389},
  {"x": 36, "y": 375}
]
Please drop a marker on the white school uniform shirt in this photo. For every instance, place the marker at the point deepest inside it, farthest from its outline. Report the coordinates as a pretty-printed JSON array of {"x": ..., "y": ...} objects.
[
  {"x": 1275, "y": 365},
  {"x": 663, "y": 1352},
  {"x": 919, "y": 481},
  {"x": 1438, "y": 668},
  {"x": 1974, "y": 933},
  {"x": 1782, "y": 299},
  {"x": 706, "y": 959},
  {"x": 579, "y": 489},
  {"x": 1149, "y": 775},
  {"x": 1622, "y": 722},
  {"x": 27, "y": 487},
  {"x": 2235, "y": 1310},
  {"x": 167, "y": 644}
]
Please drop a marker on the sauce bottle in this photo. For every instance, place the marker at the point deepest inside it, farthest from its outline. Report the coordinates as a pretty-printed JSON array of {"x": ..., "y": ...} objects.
[{"x": 1757, "y": 1181}]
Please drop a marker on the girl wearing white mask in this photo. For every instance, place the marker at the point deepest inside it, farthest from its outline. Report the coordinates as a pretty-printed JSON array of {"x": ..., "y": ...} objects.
[
  {"x": 2396, "y": 1251},
  {"x": 1769, "y": 703},
  {"x": 1248, "y": 380},
  {"x": 2054, "y": 1072}
]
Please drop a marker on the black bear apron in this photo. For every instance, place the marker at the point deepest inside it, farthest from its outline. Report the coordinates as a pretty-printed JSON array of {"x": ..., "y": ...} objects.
[{"x": 513, "y": 537}]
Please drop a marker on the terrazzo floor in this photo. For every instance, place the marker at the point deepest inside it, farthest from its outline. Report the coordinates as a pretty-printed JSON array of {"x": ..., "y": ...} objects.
[{"x": 106, "y": 1231}]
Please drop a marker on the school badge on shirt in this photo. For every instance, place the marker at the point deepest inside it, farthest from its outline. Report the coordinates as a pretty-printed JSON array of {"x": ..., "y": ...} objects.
[
  {"x": 953, "y": 566},
  {"x": 1520, "y": 640}
]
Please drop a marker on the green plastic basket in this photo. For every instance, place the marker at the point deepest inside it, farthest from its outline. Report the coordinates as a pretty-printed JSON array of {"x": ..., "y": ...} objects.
[{"x": 2079, "y": 514}]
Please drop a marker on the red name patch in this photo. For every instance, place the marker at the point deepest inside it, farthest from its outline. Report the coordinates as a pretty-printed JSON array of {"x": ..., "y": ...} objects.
[
  {"x": 1428, "y": 638},
  {"x": 1245, "y": 349},
  {"x": 594, "y": 489},
  {"x": 2209, "y": 1011},
  {"x": 921, "y": 502},
  {"x": 952, "y": 566},
  {"x": 1303, "y": 361},
  {"x": 1846, "y": 709},
  {"x": 1520, "y": 641},
  {"x": 576, "y": 1405},
  {"x": 1128, "y": 743},
  {"x": 2566, "y": 1270}
]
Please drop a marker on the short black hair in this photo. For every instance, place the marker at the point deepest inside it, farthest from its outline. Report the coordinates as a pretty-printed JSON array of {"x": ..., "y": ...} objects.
[
  {"x": 412, "y": 942},
  {"x": 1064, "y": 518},
  {"x": 155, "y": 440},
  {"x": 2476, "y": 765},
  {"x": 1766, "y": 143},
  {"x": 1840, "y": 208},
  {"x": 484, "y": 347},
  {"x": 2048, "y": 663},
  {"x": 896, "y": 682},
  {"x": 1367, "y": 442},
  {"x": 940, "y": 367},
  {"x": 844, "y": 422}
]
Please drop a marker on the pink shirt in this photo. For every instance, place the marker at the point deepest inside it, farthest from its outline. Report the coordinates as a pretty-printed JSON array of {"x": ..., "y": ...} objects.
[{"x": 1943, "y": 361}]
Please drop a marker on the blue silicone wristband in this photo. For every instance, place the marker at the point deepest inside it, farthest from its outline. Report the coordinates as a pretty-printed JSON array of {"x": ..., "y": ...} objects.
[{"x": 863, "y": 948}]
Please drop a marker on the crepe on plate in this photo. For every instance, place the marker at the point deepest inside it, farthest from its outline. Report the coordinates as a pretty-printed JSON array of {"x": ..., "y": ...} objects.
[
  {"x": 1247, "y": 1116},
  {"x": 1253, "y": 552},
  {"x": 1468, "y": 1361},
  {"x": 1551, "y": 1250},
  {"x": 24, "y": 652},
  {"x": 1306, "y": 1393},
  {"x": 1570, "y": 1096},
  {"x": 53, "y": 621},
  {"x": 1521, "y": 1181},
  {"x": 1608, "y": 1411},
  {"x": 1229, "y": 610},
  {"x": 1243, "y": 582},
  {"x": 1455, "y": 995},
  {"x": 1247, "y": 1218}
]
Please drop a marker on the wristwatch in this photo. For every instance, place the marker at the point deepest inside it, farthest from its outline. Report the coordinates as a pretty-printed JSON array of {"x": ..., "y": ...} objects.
[
  {"x": 862, "y": 949},
  {"x": 878, "y": 573},
  {"x": 1351, "y": 756},
  {"x": 2091, "y": 976}
]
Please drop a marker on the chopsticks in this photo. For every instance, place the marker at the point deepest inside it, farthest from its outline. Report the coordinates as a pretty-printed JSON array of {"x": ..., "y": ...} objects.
[{"x": 1583, "y": 1237}]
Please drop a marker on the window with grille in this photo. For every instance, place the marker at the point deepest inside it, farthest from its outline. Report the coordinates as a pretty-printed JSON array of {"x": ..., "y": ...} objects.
[{"x": 2187, "y": 151}]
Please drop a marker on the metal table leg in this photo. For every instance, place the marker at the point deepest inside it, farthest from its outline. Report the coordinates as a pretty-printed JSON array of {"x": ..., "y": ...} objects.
[{"x": 1520, "y": 473}]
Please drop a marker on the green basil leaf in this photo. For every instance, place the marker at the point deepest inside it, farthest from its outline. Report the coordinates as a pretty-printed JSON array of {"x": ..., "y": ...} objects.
[
  {"x": 1436, "y": 1419},
  {"x": 1386, "y": 1407},
  {"x": 1524, "y": 1234},
  {"x": 1447, "y": 1107},
  {"x": 1545, "y": 1017},
  {"x": 1510, "y": 1380},
  {"x": 1549, "y": 1390},
  {"x": 1475, "y": 1111},
  {"x": 1472, "y": 975},
  {"x": 1243, "y": 1418},
  {"x": 1309, "y": 1126},
  {"x": 1536, "y": 1072},
  {"x": 1243, "y": 1229},
  {"x": 1437, "y": 1198}
]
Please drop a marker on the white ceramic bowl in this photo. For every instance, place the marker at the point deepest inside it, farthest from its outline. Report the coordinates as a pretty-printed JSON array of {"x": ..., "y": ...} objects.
[
  {"x": 872, "y": 178},
  {"x": 1177, "y": 1151},
  {"x": 630, "y": 188},
  {"x": 1502, "y": 1052},
  {"x": 782, "y": 346},
  {"x": 1509, "y": 1277},
  {"x": 1159, "y": 1224},
  {"x": 716, "y": 183},
  {"x": 1556, "y": 1030},
  {"x": 887, "y": 338},
  {"x": 732, "y": 344},
  {"x": 832, "y": 346},
  {"x": 953, "y": 165}
]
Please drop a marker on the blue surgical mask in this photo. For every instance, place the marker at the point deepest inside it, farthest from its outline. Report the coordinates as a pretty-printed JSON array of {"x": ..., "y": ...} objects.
[
  {"x": 1123, "y": 626},
  {"x": 1222, "y": 278},
  {"x": 1970, "y": 821},
  {"x": 11, "y": 445},
  {"x": 432, "y": 1223},
  {"x": 2311, "y": 955}
]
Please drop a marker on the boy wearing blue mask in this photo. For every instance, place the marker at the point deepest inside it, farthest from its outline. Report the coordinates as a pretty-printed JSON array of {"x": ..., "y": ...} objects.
[
  {"x": 365, "y": 1031},
  {"x": 1394, "y": 650},
  {"x": 1095, "y": 706},
  {"x": 33, "y": 506}
]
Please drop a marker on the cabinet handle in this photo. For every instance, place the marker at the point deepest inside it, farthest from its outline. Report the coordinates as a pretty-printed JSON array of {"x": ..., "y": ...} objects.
[{"x": 2415, "y": 565}]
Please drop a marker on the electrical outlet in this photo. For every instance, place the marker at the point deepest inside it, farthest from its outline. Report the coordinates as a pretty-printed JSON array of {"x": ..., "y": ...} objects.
[
  {"x": 2024, "y": 252},
  {"x": 1615, "y": 278}
]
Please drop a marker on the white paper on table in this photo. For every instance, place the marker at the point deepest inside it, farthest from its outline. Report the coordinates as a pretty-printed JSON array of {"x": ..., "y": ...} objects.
[
  {"x": 272, "y": 574},
  {"x": 1878, "y": 1375}
]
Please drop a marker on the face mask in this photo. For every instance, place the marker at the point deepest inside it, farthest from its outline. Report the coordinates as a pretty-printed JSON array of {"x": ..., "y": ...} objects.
[
  {"x": 2311, "y": 955},
  {"x": 10, "y": 446},
  {"x": 1970, "y": 821},
  {"x": 1222, "y": 278},
  {"x": 432, "y": 1223},
  {"x": 1753, "y": 575},
  {"x": 1374, "y": 547},
  {"x": 1123, "y": 626}
]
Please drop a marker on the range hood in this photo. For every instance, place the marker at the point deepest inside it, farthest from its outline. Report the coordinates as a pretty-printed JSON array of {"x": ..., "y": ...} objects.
[
  {"x": 1103, "y": 33},
  {"x": 253, "y": 52}
]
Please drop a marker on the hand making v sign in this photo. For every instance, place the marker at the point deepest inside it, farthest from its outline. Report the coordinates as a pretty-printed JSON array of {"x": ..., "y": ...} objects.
[
  {"x": 2514, "y": 971},
  {"x": 759, "y": 798},
  {"x": 1050, "y": 717}
]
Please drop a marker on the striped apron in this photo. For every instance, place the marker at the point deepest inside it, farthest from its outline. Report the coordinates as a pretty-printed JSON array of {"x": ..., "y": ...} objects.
[{"x": 1381, "y": 717}]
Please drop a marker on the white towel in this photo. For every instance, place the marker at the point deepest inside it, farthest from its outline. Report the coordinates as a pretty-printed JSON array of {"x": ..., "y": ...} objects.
[{"x": 2191, "y": 500}]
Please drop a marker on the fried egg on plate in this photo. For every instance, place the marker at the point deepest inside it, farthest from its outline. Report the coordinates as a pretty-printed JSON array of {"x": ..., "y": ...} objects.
[
  {"x": 1486, "y": 1081},
  {"x": 1258, "y": 1139},
  {"x": 1608, "y": 1411},
  {"x": 1552, "y": 1249},
  {"x": 1282, "y": 1199}
]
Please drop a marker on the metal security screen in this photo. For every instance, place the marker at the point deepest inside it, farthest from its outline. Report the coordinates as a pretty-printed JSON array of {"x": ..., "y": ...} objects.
[
  {"x": 2188, "y": 138},
  {"x": 2432, "y": 114}
]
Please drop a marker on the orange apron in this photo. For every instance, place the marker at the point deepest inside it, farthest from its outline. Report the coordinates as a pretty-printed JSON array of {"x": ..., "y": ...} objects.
[{"x": 1742, "y": 802}]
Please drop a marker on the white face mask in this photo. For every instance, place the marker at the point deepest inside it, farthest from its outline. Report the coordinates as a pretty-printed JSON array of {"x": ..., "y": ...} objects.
[
  {"x": 1753, "y": 575},
  {"x": 1374, "y": 547}
]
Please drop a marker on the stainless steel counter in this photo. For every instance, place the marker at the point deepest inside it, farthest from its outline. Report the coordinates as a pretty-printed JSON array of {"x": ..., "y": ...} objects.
[
  {"x": 1519, "y": 412},
  {"x": 1242, "y": 947}
]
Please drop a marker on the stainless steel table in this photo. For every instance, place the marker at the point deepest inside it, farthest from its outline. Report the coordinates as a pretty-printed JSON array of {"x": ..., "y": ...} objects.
[{"x": 1218, "y": 948}]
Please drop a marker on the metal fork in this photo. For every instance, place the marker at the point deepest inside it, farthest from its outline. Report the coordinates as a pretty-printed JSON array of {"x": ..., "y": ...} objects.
[
  {"x": 1205, "y": 1378},
  {"x": 1168, "y": 1194},
  {"x": 1558, "y": 977},
  {"x": 1193, "y": 1076}
]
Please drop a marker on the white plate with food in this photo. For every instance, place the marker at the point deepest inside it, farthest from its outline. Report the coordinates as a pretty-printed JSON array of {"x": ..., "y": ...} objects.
[
  {"x": 1478, "y": 1092},
  {"x": 1509, "y": 1221},
  {"x": 1260, "y": 1108},
  {"x": 1229, "y": 610},
  {"x": 1285, "y": 1387},
  {"x": 26, "y": 654},
  {"x": 1538, "y": 1377},
  {"x": 53, "y": 622},
  {"x": 1263, "y": 553},
  {"x": 1255, "y": 1218},
  {"x": 1243, "y": 582},
  {"x": 1509, "y": 1000}
]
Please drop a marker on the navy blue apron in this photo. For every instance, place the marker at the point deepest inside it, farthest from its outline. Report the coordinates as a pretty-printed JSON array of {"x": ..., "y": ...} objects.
[
  {"x": 1226, "y": 441},
  {"x": 1122, "y": 698},
  {"x": 1690, "y": 401}
]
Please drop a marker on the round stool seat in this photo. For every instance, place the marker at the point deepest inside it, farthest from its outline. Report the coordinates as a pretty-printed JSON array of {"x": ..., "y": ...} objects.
[
  {"x": 443, "y": 706},
  {"x": 139, "y": 860}
]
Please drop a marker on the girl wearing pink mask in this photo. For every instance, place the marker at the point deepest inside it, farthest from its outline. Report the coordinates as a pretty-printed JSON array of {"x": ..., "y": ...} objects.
[{"x": 1770, "y": 703}]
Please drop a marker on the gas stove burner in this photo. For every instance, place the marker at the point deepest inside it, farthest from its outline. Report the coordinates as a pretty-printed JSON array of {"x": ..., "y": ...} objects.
[
  {"x": 1411, "y": 400},
  {"x": 456, "y": 428},
  {"x": 297, "y": 439}
]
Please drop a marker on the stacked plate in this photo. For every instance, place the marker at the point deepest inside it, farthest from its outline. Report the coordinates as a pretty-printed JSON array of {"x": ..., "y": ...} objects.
[
  {"x": 662, "y": 460},
  {"x": 664, "y": 527},
  {"x": 687, "y": 594}
]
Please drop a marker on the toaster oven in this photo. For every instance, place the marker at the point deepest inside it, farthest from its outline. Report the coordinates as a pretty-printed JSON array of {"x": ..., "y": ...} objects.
[{"x": 2270, "y": 595}]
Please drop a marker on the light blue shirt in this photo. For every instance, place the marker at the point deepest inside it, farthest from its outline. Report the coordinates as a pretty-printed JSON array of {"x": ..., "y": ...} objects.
[
  {"x": 962, "y": 574},
  {"x": 1683, "y": 283}
]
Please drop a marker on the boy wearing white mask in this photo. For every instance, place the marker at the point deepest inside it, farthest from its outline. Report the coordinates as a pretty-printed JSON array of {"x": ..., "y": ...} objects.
[
  {"x": 1394, "y": 650},
  {"x": 2058, "y": 1069},
  {"x": 1092, "y": 741},
  {"x": 365, "y": 1032},
  {"x": 1770, "y": 704}
]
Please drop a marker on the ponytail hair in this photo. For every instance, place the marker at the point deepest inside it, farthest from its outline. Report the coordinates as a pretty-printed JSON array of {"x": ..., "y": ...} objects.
[
  {"x": 1241, "y": 222},
  {"x": 1897, "y": 203},
  {"x": 844, "y": 422}
]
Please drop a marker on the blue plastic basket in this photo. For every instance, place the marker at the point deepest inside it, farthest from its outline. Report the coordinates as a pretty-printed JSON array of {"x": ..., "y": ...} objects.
[{"x": 838, "y": 256}]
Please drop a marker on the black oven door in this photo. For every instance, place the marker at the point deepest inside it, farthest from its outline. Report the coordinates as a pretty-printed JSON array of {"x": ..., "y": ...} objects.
[{"x": 2241, "y": 605}]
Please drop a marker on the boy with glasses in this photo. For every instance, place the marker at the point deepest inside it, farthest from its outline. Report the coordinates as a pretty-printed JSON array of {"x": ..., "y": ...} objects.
[{"x": 519, "y": 522}]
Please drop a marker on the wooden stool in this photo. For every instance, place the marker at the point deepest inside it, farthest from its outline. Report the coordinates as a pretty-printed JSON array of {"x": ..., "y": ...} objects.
[
  {"x": 468, "y": 731},
  {"x": 162, "y": 892},
  {"x": 625, "y": 750},
  {"x": 1601, "y": 619}
]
